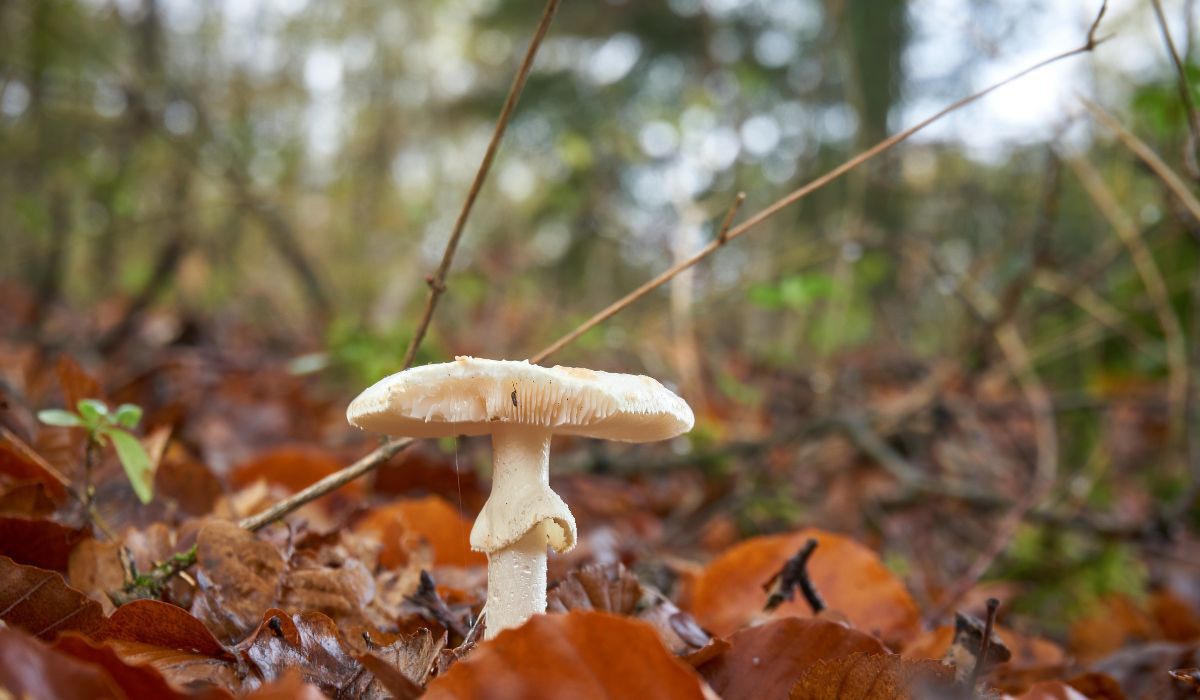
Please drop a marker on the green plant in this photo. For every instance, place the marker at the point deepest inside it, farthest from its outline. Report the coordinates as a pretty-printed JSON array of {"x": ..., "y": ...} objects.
[{"x": 102, "y": 426}]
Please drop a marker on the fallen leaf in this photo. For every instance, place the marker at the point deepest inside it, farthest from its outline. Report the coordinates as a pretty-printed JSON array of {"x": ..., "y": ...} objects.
[
  {"x": 1051, "y": 690},
  {"x": 1176, "y": 620},
  {"x": 42, "y": 543},
  {"x": 76, "y": 383},
  {"x": 28, "y": 499},
  {"x": 41, "y": 603},
  {"x": 1143, "y": 670},
  {"x": 290, "y": 687},
  {"x": 728, "y": 594},
  {"x": 160, "y": 624},
  {"x": 95, "y": 568},
  {"x": 333, "y": 575},
  {"x": 578, "y": 655},
  {"x": 614, "y": 589},
  {"x": 137, "y": 681},
  {"x": 238, "y": 576},
  {"x": 308, "y": 643},
  {"x": 765, "y": 661},
  {"x": 294, "y": 468},
  {"x": 1097, "y": 686},
  {"x": 1111, "y": 623},
  {"x": 432, "y": 519},
  {"x": 32, "y": 670},
  {"x": 18, "y": 460},
  {"x": 870, "y": 677}
]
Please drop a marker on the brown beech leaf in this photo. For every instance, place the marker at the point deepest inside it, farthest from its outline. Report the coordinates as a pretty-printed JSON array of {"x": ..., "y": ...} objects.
[
  {"x": 167, "y": 638},
  {"x": 31, "y": 670},
  {"x": 1051, "y": 690},
  {"x": 27, "y": 499},
  {"x": 294, "y": 468},
  {"x": 137, "y": 681},
  {"x": 18, "y": 460},
  {"x": 42, "y": 543},
  {"x": 308, "y": 643},
  {"x": 1097, "y": 686},
  {"x": 412, "y": 655},
  {"x": 290, "y": 687},
  {"x": 852, "y": 580},
  {"x": 41, "y": 603},
  {"x": 764, "y": 661},
  {"x": 578, "y": 655},
  {"x": 613, "y": 588},
  {"x": 432, "y": 519},
  {"x": 332, "y": 575},
  {"x": 238, "y": 575},
  {"x": 870, "y": 677},
  {"x": 1143, "y": 670},
  {"x": 95, "y": 568},
  {"x": 76, "y": 383},
  {"x": 161, "y": 624}
]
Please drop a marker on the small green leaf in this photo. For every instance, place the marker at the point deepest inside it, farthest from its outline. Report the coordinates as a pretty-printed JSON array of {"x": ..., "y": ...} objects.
[
  {"x": 136, "y": 462},
  {"x": 59, "y": 417},
  {"x": 92, "y": 411},
  {"x": 128, "y": 415}
]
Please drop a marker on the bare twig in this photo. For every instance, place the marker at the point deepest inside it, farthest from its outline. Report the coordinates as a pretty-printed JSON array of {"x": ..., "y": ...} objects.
[
  {"x": 1185, "y": 93},
  {"x": 437, "y": 282},
  {"x": 985, "y": 643},
  {"x": 796, "y": 195},
  {"x": 381, "y": 454},
  {"x": 723, "y": 234},
  {"x": 1148, "y": 156},
  {"x": 793, "y": 575},
  {"x": 1156, "y": 290}
]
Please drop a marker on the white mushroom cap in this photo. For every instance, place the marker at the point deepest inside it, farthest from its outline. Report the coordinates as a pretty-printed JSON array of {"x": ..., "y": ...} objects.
[{"x": 470, "y": 395}]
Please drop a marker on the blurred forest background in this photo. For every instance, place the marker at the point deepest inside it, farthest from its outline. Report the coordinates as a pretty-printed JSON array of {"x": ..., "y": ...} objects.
[{"x": 270, "y": 181}]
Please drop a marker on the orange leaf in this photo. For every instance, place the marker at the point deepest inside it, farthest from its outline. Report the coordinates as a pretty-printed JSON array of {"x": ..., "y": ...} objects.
[
  {"x": 868, "y": 677},
  {"x": 579, "y": 655},
  {"x": 76, "y": 383},
  {"x": 850, "y": 577},
  {"x": 291, "y": 467},
  {"x": 41, "y": 603},
  {"x": 764, "y": 661},
  {"x": 432, "y": 518}
]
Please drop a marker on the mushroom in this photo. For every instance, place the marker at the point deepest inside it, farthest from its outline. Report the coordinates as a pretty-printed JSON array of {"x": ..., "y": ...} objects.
[{"x": 521, "y": 406}]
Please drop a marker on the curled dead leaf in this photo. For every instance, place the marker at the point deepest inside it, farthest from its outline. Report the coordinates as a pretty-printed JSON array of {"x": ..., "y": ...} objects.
[
  {"x": 238, "y": 575},
  {"x": 614, "y": 589}
]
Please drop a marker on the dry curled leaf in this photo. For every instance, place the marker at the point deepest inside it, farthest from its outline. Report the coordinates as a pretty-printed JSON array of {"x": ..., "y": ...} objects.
[
  {"x": 239, "y": 576},
  {"x": 578, "y": 655},
  {"x": 41, "y": 603},
  {"x": 311, "y": 644},
  {"x": 853, "y": 581},
  {"x": 613, "y": 588},
  {"x": 870, "y": 677},
  {"x": 764, "y": 661}
]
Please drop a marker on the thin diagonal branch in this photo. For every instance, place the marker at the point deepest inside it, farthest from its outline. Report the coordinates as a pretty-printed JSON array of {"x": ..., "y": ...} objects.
[
  {"x": 437, "y": 282},
  {"x": 1185, "y": 92},
  {"x": 1148, "y": 156}
]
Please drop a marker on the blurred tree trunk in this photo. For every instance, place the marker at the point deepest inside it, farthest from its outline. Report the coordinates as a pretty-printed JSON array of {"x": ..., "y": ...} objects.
[{"x": 876, "y": 35}]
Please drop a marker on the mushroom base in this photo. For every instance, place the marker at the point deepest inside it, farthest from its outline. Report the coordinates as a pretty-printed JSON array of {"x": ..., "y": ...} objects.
[{"x": 516, "y": 582}]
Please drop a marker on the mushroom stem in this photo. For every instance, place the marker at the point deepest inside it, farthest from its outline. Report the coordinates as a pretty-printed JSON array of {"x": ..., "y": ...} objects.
[
  {"x": 516, "y": 583},
  {"x": 517, "y": 572}
]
